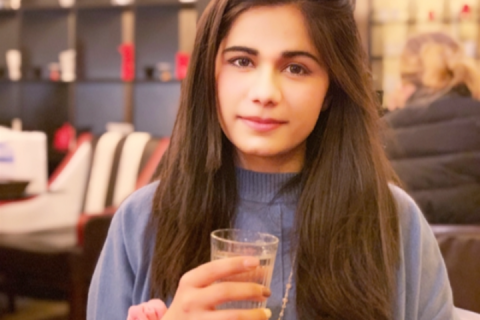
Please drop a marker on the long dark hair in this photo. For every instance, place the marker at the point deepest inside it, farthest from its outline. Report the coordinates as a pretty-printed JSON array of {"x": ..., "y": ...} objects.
[{"x": 346, "y": 222}]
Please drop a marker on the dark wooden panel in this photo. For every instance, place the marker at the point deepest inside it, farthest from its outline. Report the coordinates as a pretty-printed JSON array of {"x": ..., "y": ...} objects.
[
  {"x": 158, "y": 2},
  {"x": 44, "y": 106},
  {"x": 99, "y": 36},
  {"x": 9, "y": 102},
  {"x": 98, "y": 103},
  {"x": 156, "y": 106},
  {"x": 156, "y": 37},
  {"x": 44, "y": 36},
  {"x": 9, "y": 36},
  {"x": 40, "y": 4},
  {"x": 93, "y": 3}
]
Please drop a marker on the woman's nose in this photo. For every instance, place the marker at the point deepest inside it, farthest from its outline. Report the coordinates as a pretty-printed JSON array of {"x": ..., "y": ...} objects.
[{"x": 265, "y": 89}]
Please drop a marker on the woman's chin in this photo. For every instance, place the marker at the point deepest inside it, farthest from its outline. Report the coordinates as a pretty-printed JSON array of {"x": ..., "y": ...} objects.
[{"x": 260, "y": 152}]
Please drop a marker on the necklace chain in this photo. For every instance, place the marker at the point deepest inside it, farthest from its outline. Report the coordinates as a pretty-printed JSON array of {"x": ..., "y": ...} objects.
[{"x": 287, "y": 290}]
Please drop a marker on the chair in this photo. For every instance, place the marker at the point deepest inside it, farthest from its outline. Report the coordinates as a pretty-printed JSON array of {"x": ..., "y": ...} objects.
[
  {"x": 128, "y": 168},
  {"x": 58, "y": 263},
  {"x": 134, "y": 170},
  {"x": 460, "y": 247},
  {"x": 103, "y": 165},
  {"x": 92, "y": 229}
]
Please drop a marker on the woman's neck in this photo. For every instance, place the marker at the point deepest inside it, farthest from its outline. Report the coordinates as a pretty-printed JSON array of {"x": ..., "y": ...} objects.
[{"x": 289, "y": 162}]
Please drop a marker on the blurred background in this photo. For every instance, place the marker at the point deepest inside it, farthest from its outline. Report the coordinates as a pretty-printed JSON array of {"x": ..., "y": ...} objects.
[
  {"x": 386, "y": 25},
  {"x": 88, "y": 97}
]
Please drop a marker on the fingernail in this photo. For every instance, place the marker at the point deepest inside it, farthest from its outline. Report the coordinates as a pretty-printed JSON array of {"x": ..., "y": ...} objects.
[
  {"x": 268, "y": 313},
  {"x": 148, "y": 310},
  {"x": 267, "y": 292},
  {"x": 251, "y": 262}
]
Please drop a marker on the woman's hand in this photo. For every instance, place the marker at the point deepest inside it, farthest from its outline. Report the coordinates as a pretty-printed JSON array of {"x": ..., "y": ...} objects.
[
  {"x": 199, "y": 292},
  {"x": 151, "y": 310}
]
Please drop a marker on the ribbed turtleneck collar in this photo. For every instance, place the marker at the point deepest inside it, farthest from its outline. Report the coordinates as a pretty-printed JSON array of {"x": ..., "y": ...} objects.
[{"x": 265, "y": 187}]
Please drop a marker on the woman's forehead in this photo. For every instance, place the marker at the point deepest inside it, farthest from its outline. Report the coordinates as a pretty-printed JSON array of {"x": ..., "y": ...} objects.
[{"x": 270, "y": 29}]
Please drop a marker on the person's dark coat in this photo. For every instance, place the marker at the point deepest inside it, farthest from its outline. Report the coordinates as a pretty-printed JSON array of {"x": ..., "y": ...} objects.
[{"x": 435, "y": 151}]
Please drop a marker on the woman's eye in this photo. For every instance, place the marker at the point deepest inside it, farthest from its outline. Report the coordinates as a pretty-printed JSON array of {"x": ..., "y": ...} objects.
[
  {"x": 242, "y": 62},
  {"x": 296, "y": 69}
]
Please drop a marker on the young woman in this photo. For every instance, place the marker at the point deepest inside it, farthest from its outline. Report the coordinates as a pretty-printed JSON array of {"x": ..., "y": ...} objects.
[
  {"x": 277, "y": 132},
  {"x": 435, "y": 145}
]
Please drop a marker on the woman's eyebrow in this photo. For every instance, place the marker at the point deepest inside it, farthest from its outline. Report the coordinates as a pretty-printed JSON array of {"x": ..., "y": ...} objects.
[
  {"x": 247, "y": 50},
  {"x": 285, "y": 54},
  {"x": 292, "y": 54}
]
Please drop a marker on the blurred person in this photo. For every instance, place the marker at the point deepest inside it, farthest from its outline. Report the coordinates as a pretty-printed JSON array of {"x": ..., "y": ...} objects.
[{"x": 434, "y": 142}]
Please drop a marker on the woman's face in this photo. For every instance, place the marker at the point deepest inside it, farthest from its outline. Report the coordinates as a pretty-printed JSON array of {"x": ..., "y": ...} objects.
[{"x": 271, "y": 85}]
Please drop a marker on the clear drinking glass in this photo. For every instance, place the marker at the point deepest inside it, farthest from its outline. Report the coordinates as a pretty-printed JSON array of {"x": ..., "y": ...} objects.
[{"x": 227, "y": 243}]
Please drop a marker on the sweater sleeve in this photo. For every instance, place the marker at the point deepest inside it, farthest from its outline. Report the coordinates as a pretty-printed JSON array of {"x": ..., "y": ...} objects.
[
  {"x": 121, "y": 277},
  {"x": 425, "y": 289},
  {"x": 110, "y": 293}
]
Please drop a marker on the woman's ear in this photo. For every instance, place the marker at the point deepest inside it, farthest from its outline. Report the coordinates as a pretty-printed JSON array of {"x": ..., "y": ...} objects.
[{"x": 327, "y": 101}]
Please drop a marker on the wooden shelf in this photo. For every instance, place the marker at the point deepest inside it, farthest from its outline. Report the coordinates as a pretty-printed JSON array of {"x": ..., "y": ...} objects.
[
  {"x": 380, "y": 58},
  {"x": 44, "y": 81},
  {"x": 8, "y": 11},
  {"x": 157, "y": 81},
  {"x": 105, "y": 80},
  {"x": 41, "y": 29},
  {"x": 140, "y": 81},
  {"x": 105, "y": 8},
  {"x": 80, "y": 81},
  {"x": 36, "y": 9},
  {"x": 414, "y": 22}
]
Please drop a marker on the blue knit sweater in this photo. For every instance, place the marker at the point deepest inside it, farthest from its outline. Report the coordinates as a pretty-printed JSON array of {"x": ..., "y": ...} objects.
[{"x": 122, "y": 275}]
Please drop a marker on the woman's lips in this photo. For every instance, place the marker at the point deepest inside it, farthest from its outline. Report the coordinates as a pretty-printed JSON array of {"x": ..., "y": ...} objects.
[{"x": 262, "y": 124}]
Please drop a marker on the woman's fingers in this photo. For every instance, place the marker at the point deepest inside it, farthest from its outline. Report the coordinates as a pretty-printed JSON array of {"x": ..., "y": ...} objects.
[
  {"x": 208, "y": 273},
  {"x": 223, "y": 292},
  {"x": 150, "y": 313},
  {"x": 196, "y": 297},
  {"x": 154, "y": 309},
  {"x": 252, "y": 314},
  {"x": 136, "y": 313},
  {"x": 151, "y": 310}
]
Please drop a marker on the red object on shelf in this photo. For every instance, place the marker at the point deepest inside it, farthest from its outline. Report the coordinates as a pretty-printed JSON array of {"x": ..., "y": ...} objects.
[
  {"x": 64, "y": 137},
  {"x": 466, "y": 12},
  {"x": 127, "y": 50},
  {"x": 182, "y": 60}
]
